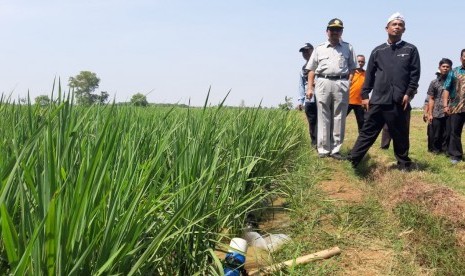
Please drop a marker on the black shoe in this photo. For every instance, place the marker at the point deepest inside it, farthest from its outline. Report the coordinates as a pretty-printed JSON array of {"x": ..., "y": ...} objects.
[
  {"x": 338, "y": 156},
  {"x": 384, "y": 147},
  {"x": 353, "y": 161},
  {"x": 405, "y": 167}
]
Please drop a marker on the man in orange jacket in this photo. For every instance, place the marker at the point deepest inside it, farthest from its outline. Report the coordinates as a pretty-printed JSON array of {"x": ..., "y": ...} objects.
[{"x": 355, "y": 95}]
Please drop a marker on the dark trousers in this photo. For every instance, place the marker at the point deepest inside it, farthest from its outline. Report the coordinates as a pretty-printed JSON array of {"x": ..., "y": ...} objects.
[
  {"x": 311, "y": 112},
  {"x": 359, "y": 114},
  {"x": 396, "y": 119},
  {"x": 457, "y": 121},
  {"x": 439, "y": 135},
  {"x": 386, "y": 137},
  {"x": 430, "y": 138}
]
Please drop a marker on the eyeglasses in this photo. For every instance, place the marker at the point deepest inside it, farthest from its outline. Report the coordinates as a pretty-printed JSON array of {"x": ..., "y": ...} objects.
[{"x": 336, "y": 30}]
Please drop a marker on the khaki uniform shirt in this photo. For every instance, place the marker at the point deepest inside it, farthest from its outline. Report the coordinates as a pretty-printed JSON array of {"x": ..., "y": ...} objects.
[{"x": 333, "y": 61}]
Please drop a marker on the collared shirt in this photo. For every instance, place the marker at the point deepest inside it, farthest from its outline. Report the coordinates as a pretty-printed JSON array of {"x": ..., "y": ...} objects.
[
  {"x": 338, "y": 60},
  {"x": 355, "y": 94},
  {"x": 303, "y": 81},
  {"x": 435, "y": 90},
  {"x": 393, "y": 71},
  {"x": 455, "y": 84}
]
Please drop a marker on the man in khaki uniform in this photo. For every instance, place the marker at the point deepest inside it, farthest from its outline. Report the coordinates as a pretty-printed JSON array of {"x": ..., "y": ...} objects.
[{"x": 331, "y": 70}]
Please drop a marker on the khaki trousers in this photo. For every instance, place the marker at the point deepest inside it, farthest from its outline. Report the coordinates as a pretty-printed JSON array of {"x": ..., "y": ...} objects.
[{"x": 332, "y": 102}]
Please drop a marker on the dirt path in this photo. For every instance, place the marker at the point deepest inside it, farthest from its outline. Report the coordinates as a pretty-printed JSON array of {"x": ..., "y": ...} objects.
[
  {"x": 368, "y": 256},
  {"x": 391, "y": 188}
]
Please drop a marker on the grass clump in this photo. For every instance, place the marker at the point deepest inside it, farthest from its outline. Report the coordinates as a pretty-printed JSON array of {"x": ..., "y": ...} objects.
[
  {"x": 365, "y": 219},
  {"x": 432, "y": 241}
]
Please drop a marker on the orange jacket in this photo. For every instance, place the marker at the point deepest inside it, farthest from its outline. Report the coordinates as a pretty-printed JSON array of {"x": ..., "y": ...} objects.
[{"x": 355, "y": 94}]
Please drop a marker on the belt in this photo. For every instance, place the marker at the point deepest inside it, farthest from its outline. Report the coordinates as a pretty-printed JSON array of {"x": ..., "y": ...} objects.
[{"x": 329, "y": 77}]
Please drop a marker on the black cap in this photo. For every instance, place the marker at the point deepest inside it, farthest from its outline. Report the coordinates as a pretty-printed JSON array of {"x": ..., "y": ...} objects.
[
  {"x": 335, "y": 23},
  {"x": 307, "y": 47}
]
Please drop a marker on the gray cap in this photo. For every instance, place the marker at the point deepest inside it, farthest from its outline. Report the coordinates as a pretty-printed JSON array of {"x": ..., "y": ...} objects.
[{"x": 307, "y": 47}]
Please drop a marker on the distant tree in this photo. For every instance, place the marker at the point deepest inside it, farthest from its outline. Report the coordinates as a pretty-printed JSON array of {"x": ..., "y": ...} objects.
[
  {"x": 84, "y": 85},
  {"x": 42, "y": 100},
  {"x": 103, "y": 97},
  {"x": 171, "y": 105},
  {"x": 139, "y": 99},
  {"x": 287, "y": 105},
  {"x": 242, "y": 104}
]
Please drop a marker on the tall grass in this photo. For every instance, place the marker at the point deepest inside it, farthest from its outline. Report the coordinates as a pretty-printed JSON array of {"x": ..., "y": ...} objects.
[{"x": 125, "y": 190}]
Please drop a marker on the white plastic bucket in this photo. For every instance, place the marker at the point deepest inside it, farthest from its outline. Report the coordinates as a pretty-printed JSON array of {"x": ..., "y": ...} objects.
[{"x": 239, "y": 245}]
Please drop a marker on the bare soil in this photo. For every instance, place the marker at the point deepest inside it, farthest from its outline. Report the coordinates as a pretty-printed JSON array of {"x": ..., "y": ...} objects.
[
  {"x": 440, "y": 201},
  {"x": 374, "y": 259},
  {"x": 366, "y": 261},
  {"x": 340, "y": 188}
]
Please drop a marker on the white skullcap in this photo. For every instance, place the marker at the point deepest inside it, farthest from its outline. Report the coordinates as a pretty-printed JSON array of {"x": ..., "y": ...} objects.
[{"x": 396, "y": 16}]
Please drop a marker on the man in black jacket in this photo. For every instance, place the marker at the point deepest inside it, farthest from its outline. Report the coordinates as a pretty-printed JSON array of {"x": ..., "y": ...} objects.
[{"x": 393, "y": 73}]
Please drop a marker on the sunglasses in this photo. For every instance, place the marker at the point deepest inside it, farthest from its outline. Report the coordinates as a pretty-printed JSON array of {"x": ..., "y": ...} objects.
[{"x": 336, "y": 30}]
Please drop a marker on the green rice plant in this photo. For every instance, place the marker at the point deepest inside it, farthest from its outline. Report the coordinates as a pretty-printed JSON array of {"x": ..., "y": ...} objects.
[{"x": 126, "y": 190}]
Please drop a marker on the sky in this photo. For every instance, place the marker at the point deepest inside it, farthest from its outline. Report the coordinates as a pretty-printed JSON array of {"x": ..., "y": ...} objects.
[{"x": 174, "y": 51}]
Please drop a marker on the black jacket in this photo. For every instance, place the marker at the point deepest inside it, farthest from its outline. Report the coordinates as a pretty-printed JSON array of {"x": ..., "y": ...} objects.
[{"x": 393, "y": 71}]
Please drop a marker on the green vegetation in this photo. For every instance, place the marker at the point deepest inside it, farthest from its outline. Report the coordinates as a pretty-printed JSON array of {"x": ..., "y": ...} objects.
[
  {"x": 42, "y": 100},
  {"x": 114, "y": 189},
  {"x": 139, "y": 99},
  {"x": 434, "y": 243},
  {"x": 385, "y": 221},
  {"x": 121, "y": 190},
  {"x": 84, "y": 85}
]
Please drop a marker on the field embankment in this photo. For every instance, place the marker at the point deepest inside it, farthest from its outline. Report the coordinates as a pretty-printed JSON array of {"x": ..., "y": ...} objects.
[{"x": 386, "y": 221}]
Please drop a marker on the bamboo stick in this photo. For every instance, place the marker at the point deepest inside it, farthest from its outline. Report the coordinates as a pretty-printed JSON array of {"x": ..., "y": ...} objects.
[{"x": 324, "y": 254}]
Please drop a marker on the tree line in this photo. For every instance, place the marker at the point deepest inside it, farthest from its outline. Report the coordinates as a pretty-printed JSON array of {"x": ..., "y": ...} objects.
[{"x": 84, "y": 86}]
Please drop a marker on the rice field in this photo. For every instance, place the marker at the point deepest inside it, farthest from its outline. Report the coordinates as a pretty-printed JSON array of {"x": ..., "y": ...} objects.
[{"x": 133, "y": 191}]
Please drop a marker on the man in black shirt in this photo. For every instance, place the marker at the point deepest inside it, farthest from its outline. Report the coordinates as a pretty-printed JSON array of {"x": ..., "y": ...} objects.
[
  {"x": 437, "y": 118},
  {"x": 393, "y": 73}
]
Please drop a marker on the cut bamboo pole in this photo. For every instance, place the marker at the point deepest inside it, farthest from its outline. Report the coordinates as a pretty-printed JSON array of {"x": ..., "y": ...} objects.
[{"x": 300, "y": 260}]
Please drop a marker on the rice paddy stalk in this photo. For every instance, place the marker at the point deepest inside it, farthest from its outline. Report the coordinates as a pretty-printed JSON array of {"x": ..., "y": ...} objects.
[{"x": 126, "y": 190}]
